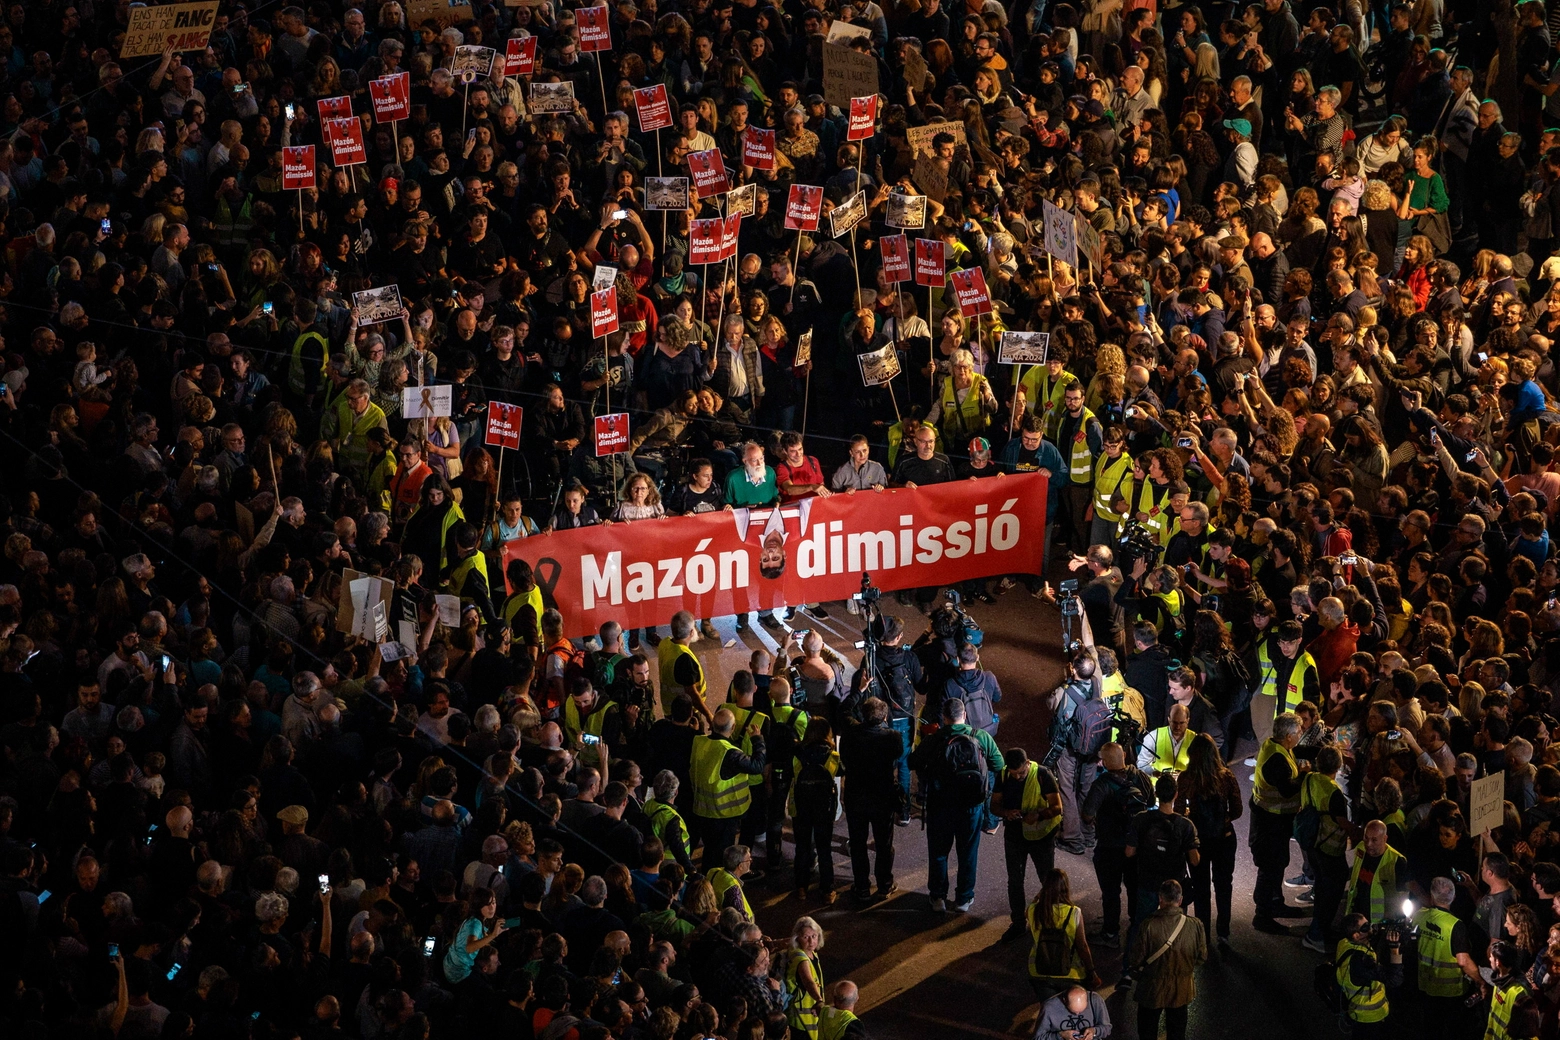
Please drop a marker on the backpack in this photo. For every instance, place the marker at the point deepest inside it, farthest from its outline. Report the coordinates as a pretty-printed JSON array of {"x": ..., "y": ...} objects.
[
  {"x": 1324, "y": 981},
  {"x": 1226, "y": 682},
  {"x": 601, "y": 668},
  {"x": 978, "y": 711},
  {"x": 1091, "y": 727},
  {"x": 1129, "y": 797},
  {"x": 1053, "y": 954},
  {"x": 816, "y": 792},
  {"x": 965, "y": 771}
]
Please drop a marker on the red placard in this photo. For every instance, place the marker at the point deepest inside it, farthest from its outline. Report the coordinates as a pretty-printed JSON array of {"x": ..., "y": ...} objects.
[
  {"x": 298, "y": 167},
  {"x": 520, "y": 56},
  {"x": 931, "y": 264},
  {"x": 332, "y": 108},
  {"x": 730, "y": 229},
  {"x": 709, "y": 565},
  {"x": 896, "y": 257},
  {"x": 595, "y": 32},
  {"x": 346, "y": 141},
  {"x": 503, "y": 424},
  {"x": 611, "y": 433},
  {"x": 969, "y": 287},
  {"x": 704, "y": 241},
  {"x": 655, "y": 109},
  {"x": 863, "y": 118},
  {"x": 603, "y": 312},
  {"x": 392, "y": 97},
  {"x": 709, "y": 173},
  {"x": 803, "y": 207},
  {"x": 758, "y": 148}
]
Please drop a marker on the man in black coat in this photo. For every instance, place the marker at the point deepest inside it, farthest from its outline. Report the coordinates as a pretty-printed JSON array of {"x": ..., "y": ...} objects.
[
  {"x": 1148, "y": 672},
  {"x": 871, "y": 754}
]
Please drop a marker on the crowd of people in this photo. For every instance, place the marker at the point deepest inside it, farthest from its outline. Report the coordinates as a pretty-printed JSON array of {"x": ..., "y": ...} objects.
[{"x": 1298, "y": 417}]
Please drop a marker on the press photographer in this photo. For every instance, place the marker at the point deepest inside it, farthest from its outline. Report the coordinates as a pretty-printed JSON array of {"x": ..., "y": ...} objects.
[{"x": 1106, "y": 618}]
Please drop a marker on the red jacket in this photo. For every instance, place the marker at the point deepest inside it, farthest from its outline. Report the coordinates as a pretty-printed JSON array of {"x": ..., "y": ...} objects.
[{"x": 1332, "y": 650}]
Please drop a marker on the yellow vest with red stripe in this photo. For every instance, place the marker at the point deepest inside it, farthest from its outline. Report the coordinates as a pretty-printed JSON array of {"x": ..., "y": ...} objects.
[{"x": 1112, "y": 480}]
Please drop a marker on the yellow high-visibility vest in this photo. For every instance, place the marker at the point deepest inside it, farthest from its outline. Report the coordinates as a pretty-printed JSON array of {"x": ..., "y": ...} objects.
[
  {"x": 715, "y": 797},
  {"x": 1263, "y": 794},
  {"x": 1112, "y": 480},
  {"x": 1367, "y": 1003}
]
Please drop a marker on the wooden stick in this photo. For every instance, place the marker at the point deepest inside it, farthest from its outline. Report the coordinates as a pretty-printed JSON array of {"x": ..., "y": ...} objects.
[
  {"x": 601, "y": 81},
  {"x": 895, "y": 400}
]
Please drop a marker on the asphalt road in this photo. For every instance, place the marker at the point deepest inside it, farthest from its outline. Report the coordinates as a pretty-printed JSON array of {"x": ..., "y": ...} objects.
[{"x": 947, "y": 975}]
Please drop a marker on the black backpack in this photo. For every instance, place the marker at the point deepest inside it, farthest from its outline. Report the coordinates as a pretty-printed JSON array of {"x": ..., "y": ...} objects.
[
  {"x": 964, "y": 780},
  {"x": 1053, "y": 954},
  {"x": 1091, "y": 727},
  {"x": 1128, "y": 796},
  {"x": 815, "y": 791}
]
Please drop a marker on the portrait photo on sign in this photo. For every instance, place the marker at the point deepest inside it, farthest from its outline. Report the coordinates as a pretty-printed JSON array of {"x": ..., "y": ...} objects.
[
  {"x": 804, "y": 349},
  {"x": 847, "y": 215},
  {"x": 552, "y": 97},
  {"x": 906, "y": 211},
  {"x": 666, "y": 193},
  {"x": 879, "y": 366},
  {"x": 377, "y": 305},
  {"x": 743, "y": 200},
  {"x": 1023, "y": 348}
]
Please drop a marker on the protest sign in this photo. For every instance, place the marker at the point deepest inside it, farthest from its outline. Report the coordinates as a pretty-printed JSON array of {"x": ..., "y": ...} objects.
[
  {"x": 444, "y": 13},
  {"x": 803, "y": 207},
  {"x": 920, "y": 137},
  {"x": 896, "y": 257},
  {"x": 546, "y": 98},
  {"x": 1487, "y": 803},
  {"x": 931, "y": 266},
  {"x": 595, "y": 29},
  {"x": 611, "y": 433},
  {"x": 603, "y": 276},
  {"x": 603, "y": 312},
  {"x": 879, "y": 366},
  {"x": 503, "y": 424},
  {"x": 842, "y": 31},
  {"x": 709, "y": 173},
  {"x": 742, "y": 201},
  {"x": 847, "y": 74},
  {"x": 848, "y": 214},
  {"x": 906, "y": 211},
  {"x": 654, "y": 108},
  {"x": 298, "y": 169},
  {"x": 803, "y": 349},
  {"x": 1060, "y": 235},
  {"x": 426, "y": 402},
  {"x": 392, "y": 97},
  {"x": 520, "y": 56},
  {"x": 363, "y": 604},
  {"x": 478, "y": 60},
  {"x": 376, "y": 305},
  {"x": 758, "y": 148},
  {"x": 666, "y": 193},
  {"x": 969, "y": 288},
  {"x": 1090, "y": 243},
  {"x": 704, "y": 241},
  {"x": 1023, "y": 348},
  {"x": 346, "y": 141},
  {"x": 863, "y": 118},
  {"x": 180, "y": 27}
]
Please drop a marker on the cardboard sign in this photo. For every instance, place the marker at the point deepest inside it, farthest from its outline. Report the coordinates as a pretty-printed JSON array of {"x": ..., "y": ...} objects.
[
  {"x": 520, "y": 56},
  {"x": 1487, "y": 803},
  {"x": 863, "y": 118},
  {"x": 427, "y": 402},
  {"x": 444, "y": 13},
  {"x": 758, "y": 148},
  {"x": 1090, "y": 242},
  {"x": 666, "y": 193},
  {"x": 1060, "y": 233},
  {"x": 183, "y": 27},
  {"x": 376, "y": 305},
  {"x": 878, "y": 366},
  {"x": 503, "y": 424},
  {"x": 298, "y": 167},
  {"x": 848, "y": 214},
  {"x": 969, "y": 288},
  {"x": 392, "y": 97},
  {"x": 804, "y": 207},
  {"x": 931, "y": 263},
  {"x": 847, "y": 74},
  {"x": 709, "y": 173},
  {"x": 896, "y": 257},
  {"x": 611, "y": 433},
  {"x": 704, "y": 241},
  {"x": 346, "y": 142},
  {"x": 448, "y": 610},
  {"x": 594, "y": 27},
  {"x": 743, "y": 201},
  {"x": 1024, "y": 348},
  {"x": 920, "y": 137},
  {"x": 551, "y": 97},
  {"x": 906, "y": 211},
  {"x": 364, "y": 604},
  {"x": 655, "y": 109},
  {"x": 841, "y": 30},
  {"x": 472, "y": 58},
  {"x": 930, "y": 176},
  {"x": 603, "y": 312},
  {"x": 332, "y": 108}
]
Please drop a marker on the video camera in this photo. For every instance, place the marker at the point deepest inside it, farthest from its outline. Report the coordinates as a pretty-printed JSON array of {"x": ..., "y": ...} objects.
[
  {"x": 1137, "y": 542},
  {"x": 1072, "y": 609}
]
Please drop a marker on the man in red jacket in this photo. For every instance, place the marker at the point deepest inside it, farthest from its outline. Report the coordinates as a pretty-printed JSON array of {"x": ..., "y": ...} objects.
[{"x": 1337, "y": 643}]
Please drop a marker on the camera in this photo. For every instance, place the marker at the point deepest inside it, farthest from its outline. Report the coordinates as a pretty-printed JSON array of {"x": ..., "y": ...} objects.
[{"x": 1137, "y": 542}]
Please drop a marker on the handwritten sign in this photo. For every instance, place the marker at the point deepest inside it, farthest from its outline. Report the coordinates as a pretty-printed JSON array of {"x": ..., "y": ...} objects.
[
  {"x": 182, "y": 27},
  {"x": 920, "y": 137},
  {"x": 847, "y": 74},
  {"x": 298, "y": 167},
  {"x": 1487, "y": 803},
  {"x": 1090, "y": 242},
  {"x": 503, "y": 424},
  {"x": 443, "y": 13},
  {"x": 1060, "y": 235},
  {"x": 655, "y": 109}
]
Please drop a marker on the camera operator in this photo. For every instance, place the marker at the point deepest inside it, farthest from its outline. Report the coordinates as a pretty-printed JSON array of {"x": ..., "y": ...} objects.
[
  {"x": 1155, "y": 596},
  {"x": 1073, "y": 702},
  {"x": 1107, "y": 620},
  {"x": 1364, "y": 980},
  {"x": 898, "y": 673}
]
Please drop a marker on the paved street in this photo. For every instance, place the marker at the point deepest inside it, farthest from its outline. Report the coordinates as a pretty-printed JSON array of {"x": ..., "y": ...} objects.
[{"x": 945, "y": 975}]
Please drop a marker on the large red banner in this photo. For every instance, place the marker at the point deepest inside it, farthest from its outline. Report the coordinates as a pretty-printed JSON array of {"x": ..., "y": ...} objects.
[{"x": 815, "y": 550}]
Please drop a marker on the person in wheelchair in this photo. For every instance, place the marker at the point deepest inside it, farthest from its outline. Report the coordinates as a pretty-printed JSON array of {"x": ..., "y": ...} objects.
[
  {"x": 718, "y": 432},
  {"x": 667, "y": 431},
  {"x": 553, "y": 433}
]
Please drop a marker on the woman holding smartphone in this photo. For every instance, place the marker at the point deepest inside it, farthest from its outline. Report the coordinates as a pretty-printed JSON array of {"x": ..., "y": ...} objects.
[{"x": 481, "y": 928}]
